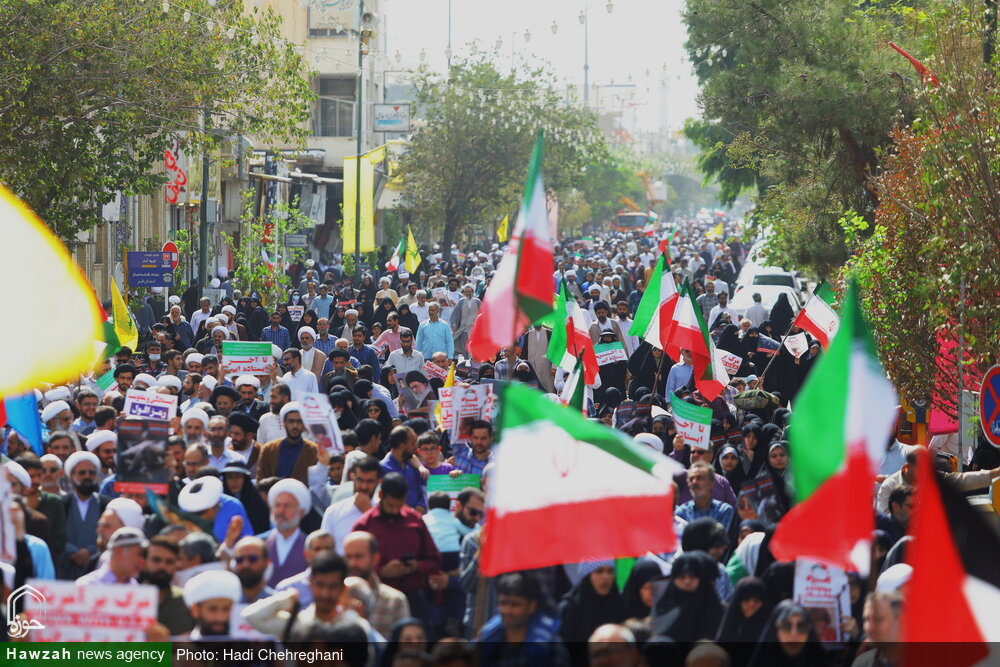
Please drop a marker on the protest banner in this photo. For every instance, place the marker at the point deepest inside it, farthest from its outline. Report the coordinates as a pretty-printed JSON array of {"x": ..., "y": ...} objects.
[
  {"x": 295, "y": 313},
  {"x": 440, "y": 293},
  {"x": 797, "y": 344},
  {"x": 245, "y": 357},
  {"x": 141, "y": 456},
  {"x": 148, "y": 405},
  {"x": 321, "y": 422},
  {"x": 824, "y": 592},
  {"x": 214, "y": 294},
  {"x": 461, "y": 406},
  {"x": 414, "y": 396},
  {"x": 432, "y": 370},
  {"x": 609, "y": 353},
  {"x": 452, "y": 485},
  {"x": 62, "y": 611},
  {"x": 240, "y": 628},
  {"x": 731, "y": 362},
  {"x": 693, "y": 422}
]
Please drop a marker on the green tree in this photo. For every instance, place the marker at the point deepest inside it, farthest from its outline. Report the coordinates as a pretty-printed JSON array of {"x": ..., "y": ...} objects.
[
  {"x": 93, "y": 91},
  {"x": 466, "y": 166}
]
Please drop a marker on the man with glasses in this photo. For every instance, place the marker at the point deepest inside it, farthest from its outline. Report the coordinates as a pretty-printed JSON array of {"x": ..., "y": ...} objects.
[
  {"x": 250, "y": 563},
  {"x": 196, "y": 457},
  {"x": 83, "y": 507},
  {"x": 52, "y": 475}
]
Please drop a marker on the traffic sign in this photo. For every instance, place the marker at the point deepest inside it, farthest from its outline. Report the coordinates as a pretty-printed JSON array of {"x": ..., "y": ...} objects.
[
  {"x": 171, "y": 247},
  {"x": 150, "y": 269},
  {"x": 989, "y": 405}
]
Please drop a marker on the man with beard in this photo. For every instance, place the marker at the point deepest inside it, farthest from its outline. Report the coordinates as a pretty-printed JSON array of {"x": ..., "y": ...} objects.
[
  {"x": 251, "y": 564},
  {"x": 243, "y": 439},
  {"x": 127, "y": 547},
  {"x": 316, "y": 542},
  {"x": 290, "y": 501},
  {"x": 340, "y": 516},
  {"x": 210, "y": 597},
  {"x": 219, "y": 457},
  {"x": 161, "y": 565},
  {"x": 104, "y": 445},
  {"x": 189, "y": 389},
  {"x": 292, "y": 455},
  {"x": 247, "y": 387},
  {"x": 388, "y": 604},
  {"x": 271, "y": 427},
  {"x": 83, "y": 507},
  {"x": 194, "y": 422},
  {"x": 340, "y": 361},
  {"x": 225, "y": 399},
  {"x": 86, "y": 403},
  {"x": 402, "y": 447}
]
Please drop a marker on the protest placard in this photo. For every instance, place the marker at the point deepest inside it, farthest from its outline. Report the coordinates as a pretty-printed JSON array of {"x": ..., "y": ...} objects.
[
  {"x": 89, "y": 613},
  {"x": 214, "y": 294},
  {"x": 440, "y": 293},
  {"x": 321, "y": 422},
  {"x": 797, "y": 344},
  {"x": 452, "y": 485},
  {"x": 824, "y": 592},
  {"x": 141, "y": 456},
  {"x": 432, "y": 370},
  {"x": 295, "y": 313},
  {"x": 461, "y": 406},
  {"x": 149, "y": 405},
  {"x": 247, "y": 357},
  {"x": 731, "y": 362},
  {"x": 609, "y": 353},
  {"x": 693, "y": 422},
  {"x": 240, "y": 628}
]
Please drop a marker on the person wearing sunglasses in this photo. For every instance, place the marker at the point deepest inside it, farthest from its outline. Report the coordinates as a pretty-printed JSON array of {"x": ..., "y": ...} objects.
[
  {"x": 789, "y": 638},
  {"x": 52, "y": 473},
  {"x": 250, "y": 563}
]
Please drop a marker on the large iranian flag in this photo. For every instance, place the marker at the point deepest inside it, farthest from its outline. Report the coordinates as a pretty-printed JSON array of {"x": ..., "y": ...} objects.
[
  {"x": 688, "y": 332},
  {"x": 521, "y": 290},
  {"x": 843, "y": 416},
  {"x": 818, "y": 317},
  {"x": 591, "y": 492},
  {"x": 655, "y": 312}
]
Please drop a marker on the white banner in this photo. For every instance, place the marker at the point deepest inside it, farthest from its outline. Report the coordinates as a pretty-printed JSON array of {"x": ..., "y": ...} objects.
[
  {"x": 147, "y": 405},
  {"x": 824, "y": 592},
  {"x": 797, "y": 344},
  {"x": 321, "y": 422},
  {"x": 61, "y": 611},
  {"x": 460, "y": 406},
  {"x": 731, "y": 362}
]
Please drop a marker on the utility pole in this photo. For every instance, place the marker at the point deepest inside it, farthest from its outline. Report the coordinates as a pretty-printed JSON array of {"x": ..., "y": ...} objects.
[
  {"x": 357, "y": 160},
  {"x": 586, "y": 58},
  {"x": 203, "y": 211}
]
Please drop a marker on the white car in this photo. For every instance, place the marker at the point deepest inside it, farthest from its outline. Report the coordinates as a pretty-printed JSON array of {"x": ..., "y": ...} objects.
[{"x": 770, "y": 283}]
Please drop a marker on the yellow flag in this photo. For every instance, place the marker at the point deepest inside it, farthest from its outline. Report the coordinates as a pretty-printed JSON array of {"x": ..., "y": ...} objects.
[
  {"x": 412, "y": 252},
  {"x": 367, "y": 192},
  {"x": 54, "y": 354},
  {"x": 502, "y": 230},
  {"x": 715, "y": 232},
  {"x": 376, "y": 155},
  {"x": 448, "y": 382},
  {"x": 125, "y": 329}
]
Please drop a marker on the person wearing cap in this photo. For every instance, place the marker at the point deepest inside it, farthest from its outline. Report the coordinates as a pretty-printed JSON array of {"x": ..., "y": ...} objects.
[
  {"x": 289, "y": 501},
  {"x": 275, "y": 333},
  {"x": 194, "y": 421},
  {"x": 127, "y": 547},
  {"x": 83, "y": 507},
  {"x": 104, "y": 445},
  {"x": 210, "y": 597},
  {"x": 290, "y": 456}
]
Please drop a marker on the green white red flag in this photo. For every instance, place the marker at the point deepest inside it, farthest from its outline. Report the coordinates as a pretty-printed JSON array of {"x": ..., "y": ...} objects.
[
  {"x": 584, "y": 474},
  {"x": 570, "y": 340},
  {"x": 688, "y": 332},
  {"x": 521, "y": 290},
  {"x": 818, "y": 317},
  {"x": 843, "y": 416},
  {"x": 394, "y": 261},
  {"x": 655, "y": 312}
]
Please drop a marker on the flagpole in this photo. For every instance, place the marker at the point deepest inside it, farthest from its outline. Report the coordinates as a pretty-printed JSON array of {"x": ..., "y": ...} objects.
[{"x": 780, "y": 342}]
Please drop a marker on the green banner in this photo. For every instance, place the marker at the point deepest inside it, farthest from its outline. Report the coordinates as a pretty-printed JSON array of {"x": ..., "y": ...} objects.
[
  {"x": 450, "y": 484},
  {"x": 609, "y": 353},
  {"x": 86, "y": 654},
  {"x": 246, "y": 357},
  {"x": 694, "y": 422}
]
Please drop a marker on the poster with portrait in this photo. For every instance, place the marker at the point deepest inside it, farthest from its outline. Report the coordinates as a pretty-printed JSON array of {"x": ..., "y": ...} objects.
[
  {"x": 321, "y": 422},
  {"x": 462, "y": 406},
  {"x": 824, "y": 592},
  {"x": 142, "y": 456}
]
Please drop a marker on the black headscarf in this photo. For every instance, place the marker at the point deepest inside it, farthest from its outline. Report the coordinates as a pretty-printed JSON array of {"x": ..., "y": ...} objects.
[
  {"x": 644, "y": 571},
  {"x": 344, "y": 399},
  {"x": 644, "y": 366},
  {"x": 729, "y": 339},
  {"x": 382, "y": 312},
  {"x": 769, "y": 652},
  {"x": 383, "y": 417},
  {"x": 582, "y": 611},
  {"x": 407, "y": 319},
  {"x": 739, "y": 633},
  {"x": 684, "y": 616},
  {"x": 781, "y": 316},
  {"x": 257, "y": 510}
]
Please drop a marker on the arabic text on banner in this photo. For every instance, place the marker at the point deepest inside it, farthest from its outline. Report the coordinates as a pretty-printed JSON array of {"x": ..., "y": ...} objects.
[{"x": 246, "y": 357}]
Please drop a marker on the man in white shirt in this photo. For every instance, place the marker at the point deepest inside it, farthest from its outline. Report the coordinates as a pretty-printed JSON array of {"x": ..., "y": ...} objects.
[
  {"x": 420, "y": 308},
  {"x": 339, "y": 518},
  {"x": 406, "y": 358},
  {"x": 298, "y": 379},
  {"x": 624, "y": 324},
  {"x": 756, "y": 313},
  {"x": 200, "y": 316},
  {"x": 271, "y": 427},
  {"x": 718, "y": 310}
]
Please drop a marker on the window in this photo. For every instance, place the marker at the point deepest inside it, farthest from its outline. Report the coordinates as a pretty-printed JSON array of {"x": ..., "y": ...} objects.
[
  {"x": 334, "y": 112},
  {"x": 774, "y": 279}
]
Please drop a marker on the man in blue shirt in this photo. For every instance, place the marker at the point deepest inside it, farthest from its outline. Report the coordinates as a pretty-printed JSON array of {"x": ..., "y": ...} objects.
[
  {"x": 365, "y": 354},
  {"x": 680, "y": 374},
  {"x": 402, "y": 447},
  {"x": 86, "y": 402},
  {"x": 700, "y": 480},
  {"x": 276, "y": 334},
  {"x": 323, "y": 302},
  {"x": 434, "y": 335}
]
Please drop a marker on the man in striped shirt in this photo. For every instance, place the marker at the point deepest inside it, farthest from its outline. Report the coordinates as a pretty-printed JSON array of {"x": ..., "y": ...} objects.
[{"x": 276, "y": 334}]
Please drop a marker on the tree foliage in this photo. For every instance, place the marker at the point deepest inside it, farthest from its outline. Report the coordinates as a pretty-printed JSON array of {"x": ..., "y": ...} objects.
[
  {"x": 93, "y": 91},
  {"x": 465, "y": 168}
]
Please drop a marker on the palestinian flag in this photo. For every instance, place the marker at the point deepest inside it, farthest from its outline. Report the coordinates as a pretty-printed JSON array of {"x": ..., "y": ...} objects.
[
  {"x": 688, "y": 332},
  {"x": 521, "y": 291},
  {"x": 393, "y": 263},
  {"x": 817, "y": 316},
  {"x": 655, "y": 312},
  {"x": 585, "y": 474},
  {"x": 109, "y": 337},
  {"x": 843, "y": 415},
  {"x": 954, "y": 591}
]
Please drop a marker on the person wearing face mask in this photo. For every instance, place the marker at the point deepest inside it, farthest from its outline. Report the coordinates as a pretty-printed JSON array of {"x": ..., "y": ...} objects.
[{"x": 83, "y": 507}]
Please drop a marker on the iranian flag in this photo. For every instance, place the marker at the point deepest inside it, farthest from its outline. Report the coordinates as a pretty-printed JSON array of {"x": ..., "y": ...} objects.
[
  {"x": 954, "y": 591},
  {"x": 575, "y": 393},
  {"x": 688, "y": 332},
  {"x": 655, "y": 312},
  {"x": 521, "y": 290},
  {"x": 584, "y": 475},
  {"x": 817, "y": 316},
  {"x": 393, "y": 263},
  {"x": 843, "y": 416},
  {"x": 267, "y": 259}
]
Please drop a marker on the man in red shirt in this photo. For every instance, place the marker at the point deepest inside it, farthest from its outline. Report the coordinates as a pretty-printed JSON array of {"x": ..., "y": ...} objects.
[{"x": 407, "y": 551}]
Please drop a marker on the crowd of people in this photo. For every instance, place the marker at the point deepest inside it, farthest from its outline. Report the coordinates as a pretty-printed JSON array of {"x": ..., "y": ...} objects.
[{"x": 352, "y": 548}]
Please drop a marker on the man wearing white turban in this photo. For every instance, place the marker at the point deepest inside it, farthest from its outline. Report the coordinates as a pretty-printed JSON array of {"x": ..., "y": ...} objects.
[
  {"x": 83, "y": 507},
  {"x": 210, "y": 597},
  {"x": 289, "y": 501}
]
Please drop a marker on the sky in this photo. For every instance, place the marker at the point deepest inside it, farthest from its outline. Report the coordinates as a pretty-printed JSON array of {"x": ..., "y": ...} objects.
[{"x": 636, "y": 37}]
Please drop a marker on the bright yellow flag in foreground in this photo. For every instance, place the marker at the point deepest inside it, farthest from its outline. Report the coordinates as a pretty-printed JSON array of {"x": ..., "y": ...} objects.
[
  {"x": 125, "y": 329},
  {"x": 59, "y": 349},
  {"x": 502, "y": 229},
  {"x": 412, "y": 254}
]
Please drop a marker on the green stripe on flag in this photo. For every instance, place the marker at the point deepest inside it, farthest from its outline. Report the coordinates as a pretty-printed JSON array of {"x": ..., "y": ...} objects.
[
  {"x": 650, "y": 300},
  {"x": 623, "y": 568},
  {"x": 826, "y": 293}
]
